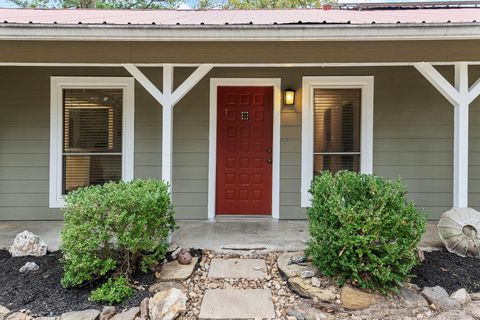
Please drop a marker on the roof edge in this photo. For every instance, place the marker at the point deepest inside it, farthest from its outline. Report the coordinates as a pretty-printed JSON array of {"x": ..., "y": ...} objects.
[{"x": 311, "y": 32}]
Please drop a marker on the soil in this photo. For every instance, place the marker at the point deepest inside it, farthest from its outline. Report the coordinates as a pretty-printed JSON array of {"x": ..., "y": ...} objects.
[
  {"x": 449, "y": 271},
  {"x": 41, "y": 293}
]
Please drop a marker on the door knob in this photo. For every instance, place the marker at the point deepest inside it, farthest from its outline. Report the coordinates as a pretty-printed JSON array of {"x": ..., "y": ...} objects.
[{"x": 269, "y": 160}]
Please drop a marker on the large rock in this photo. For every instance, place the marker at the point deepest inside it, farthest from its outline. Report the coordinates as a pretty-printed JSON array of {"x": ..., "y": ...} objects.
[
  {"x": 462, "y": 296},
  {"x": 293, "y": 269},
  {"x": 473, "y": 309},
  {"x": 167, "y": 305},
  {"x": 18, "y": 316},
  {"x": 90, "y": 314},
  {"x": 107, "y": 313},
  {"x": 162, "y": 286},
  {"x": 439, "y": 297},
  {"x": 130, "y": 314},
  {"x": 4, "y": 312},
  {"x": 28, "y": 244},
  {"x": 354, "y": 299},
  {"x": 176, "y": 271},
  {"x": 305, "y": 288}
]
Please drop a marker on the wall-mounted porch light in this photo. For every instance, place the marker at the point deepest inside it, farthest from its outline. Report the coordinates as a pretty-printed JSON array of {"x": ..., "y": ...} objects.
[{"x": 289, "y": 97}]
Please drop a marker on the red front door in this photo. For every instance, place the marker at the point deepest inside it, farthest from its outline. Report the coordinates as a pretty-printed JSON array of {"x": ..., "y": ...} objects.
[{"x": 244, "y": 150}]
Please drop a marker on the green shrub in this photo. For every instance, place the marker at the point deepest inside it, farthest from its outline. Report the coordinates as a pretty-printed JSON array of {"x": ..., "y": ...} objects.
[
  {"x": 113, "y": 291},
  {"x": 363, "y": 229},
  {"x": 114, "y": 229}
]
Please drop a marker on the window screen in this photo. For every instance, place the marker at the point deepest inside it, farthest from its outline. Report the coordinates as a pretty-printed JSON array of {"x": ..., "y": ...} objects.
[
  {"x": 336, "y": 129},
  {"x": 92, "y": 137}
]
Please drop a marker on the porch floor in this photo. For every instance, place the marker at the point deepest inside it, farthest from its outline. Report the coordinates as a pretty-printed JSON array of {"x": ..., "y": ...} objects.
[{"x": 222, "y": 235}]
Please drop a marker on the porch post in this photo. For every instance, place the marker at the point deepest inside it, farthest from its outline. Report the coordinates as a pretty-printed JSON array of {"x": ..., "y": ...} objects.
[
  {"x": 168, "y": 98},
  {"x": 167, "y": 124},
  {"x": 460, "y": 138},
  {"x": 460, "y": 96}
]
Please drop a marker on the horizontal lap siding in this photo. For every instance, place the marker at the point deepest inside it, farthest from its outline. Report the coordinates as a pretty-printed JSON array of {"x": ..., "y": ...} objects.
[
  {"x": 24, "y": 138},
  {"x": 474, "y": 147},
  {"x": 413, "y": 138}
]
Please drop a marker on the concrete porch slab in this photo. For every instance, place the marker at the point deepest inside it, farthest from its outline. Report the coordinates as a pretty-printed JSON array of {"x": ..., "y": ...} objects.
[
  {"x": 237, "y": 304},
  {"x": 237, "y": 268},
  {"x": 284, "y": 235}
]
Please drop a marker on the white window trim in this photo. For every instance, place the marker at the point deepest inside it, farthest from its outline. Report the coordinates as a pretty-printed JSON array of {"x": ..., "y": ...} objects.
[
  {"x": 212, "y": 153},
  {"x": 365, "y": 83},
  {"x": 57, "y": 84}
]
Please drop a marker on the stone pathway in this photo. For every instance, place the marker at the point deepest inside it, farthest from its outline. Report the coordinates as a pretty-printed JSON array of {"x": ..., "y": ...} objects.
[{"x": 231, "y": 303}]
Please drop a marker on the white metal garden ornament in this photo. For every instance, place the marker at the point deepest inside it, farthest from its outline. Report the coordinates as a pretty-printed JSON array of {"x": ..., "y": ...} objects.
[{"x": 459, "y": 230}]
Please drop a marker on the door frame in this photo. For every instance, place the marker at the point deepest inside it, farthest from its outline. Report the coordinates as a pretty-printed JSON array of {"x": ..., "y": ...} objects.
[{"x": 275, "y": 83}]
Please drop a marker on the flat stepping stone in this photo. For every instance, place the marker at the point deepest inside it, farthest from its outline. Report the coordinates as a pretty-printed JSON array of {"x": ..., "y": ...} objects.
[
  {"x": 237, "y": 268},
  {"x": 237, "y": 304},
  {"x": 176, "y": 271}
]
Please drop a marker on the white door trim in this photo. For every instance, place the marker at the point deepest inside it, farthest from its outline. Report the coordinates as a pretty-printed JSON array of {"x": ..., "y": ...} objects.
[
  {"x": 212, "y": 147},
  {"x": 366, "y": 128}
]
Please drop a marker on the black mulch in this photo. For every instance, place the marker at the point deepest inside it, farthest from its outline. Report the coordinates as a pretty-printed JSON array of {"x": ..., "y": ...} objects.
[
  {"x": 40, "y": 291},
  {"x": 448, "y": 271}
]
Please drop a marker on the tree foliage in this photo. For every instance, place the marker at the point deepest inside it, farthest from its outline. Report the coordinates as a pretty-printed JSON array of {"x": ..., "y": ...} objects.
[
  {"x": 99, "y": 4},
  {"x": 263, "y": 4}
]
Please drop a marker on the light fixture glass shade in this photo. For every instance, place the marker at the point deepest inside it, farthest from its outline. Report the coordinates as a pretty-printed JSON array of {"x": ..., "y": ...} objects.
[{"x": 289, "y": 97}]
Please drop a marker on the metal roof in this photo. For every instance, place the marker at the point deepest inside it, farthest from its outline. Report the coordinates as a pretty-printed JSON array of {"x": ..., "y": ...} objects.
[{"x": 238, "y": 17}]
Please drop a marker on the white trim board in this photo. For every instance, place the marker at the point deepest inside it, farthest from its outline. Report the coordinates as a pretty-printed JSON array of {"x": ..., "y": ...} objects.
[
  {"x": 366, "y": 83},
  {"x": 234, "y": 65},
  {"x": 212, "y": 146},
  {"x": 57, "y": 84},
  {"x": 298, "y": 33}
]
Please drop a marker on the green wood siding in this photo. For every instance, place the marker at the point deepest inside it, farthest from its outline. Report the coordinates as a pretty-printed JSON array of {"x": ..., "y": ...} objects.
[{"x": 413, "y": 138}]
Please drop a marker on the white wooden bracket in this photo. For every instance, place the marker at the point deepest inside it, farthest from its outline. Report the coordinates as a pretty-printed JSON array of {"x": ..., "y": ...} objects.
[
  {"x": 168, "y": 98},
  {"x": 460, "y": 96}
]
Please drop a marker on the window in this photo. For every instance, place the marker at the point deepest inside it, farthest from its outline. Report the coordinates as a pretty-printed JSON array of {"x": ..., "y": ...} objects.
[
  {"x": 337, "y": 126},
  {"x": 336, "y": 144},
  {"x": 91, "y": 134}
]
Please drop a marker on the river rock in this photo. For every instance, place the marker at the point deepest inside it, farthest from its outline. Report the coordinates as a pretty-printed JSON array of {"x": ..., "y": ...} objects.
[
  {"x": 304, "y": 288},
  {"x": 4, "y": 312},
  {"x": 29, "y": 266},
  {"x": 296, "y": 314},
  {"x": 292, "y": 269},
  {"x": 461, "y": 295},
  {"x": 90, "y": 314},
  {"x": 28, "y": 244},
  {"x": 439, "y": 297},
  {"x": 305, "y": 274},
  {"x": 354, "y": 299},
  {"x": 412, "y": 299},
  {"x": 107, "y": 313},
  {"x": 175, "y": 271},
  {"x": 167, "y": 305},
  {"x": 130, "y": 314}
]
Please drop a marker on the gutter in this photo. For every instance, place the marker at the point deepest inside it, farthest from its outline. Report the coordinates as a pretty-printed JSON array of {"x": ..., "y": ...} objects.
[{"x": 293, "y": 32}]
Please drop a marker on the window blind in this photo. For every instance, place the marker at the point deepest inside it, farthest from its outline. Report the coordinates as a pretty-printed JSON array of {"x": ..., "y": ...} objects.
[
  {"x": 336, "y": 129},
  {"x": 92, "y": 137}
]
